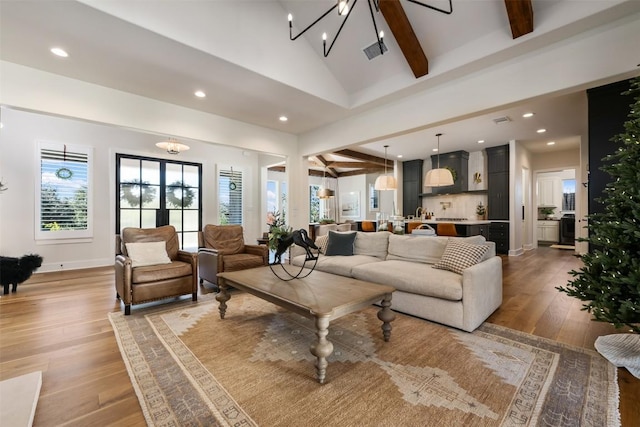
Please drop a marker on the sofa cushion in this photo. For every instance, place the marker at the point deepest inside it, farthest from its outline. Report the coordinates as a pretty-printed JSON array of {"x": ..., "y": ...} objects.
[
  {"x": 340, "y": 243},
  {"x": 147, "y": 253},
  {"x": 340, "y": 265},
  {"x": 412, "y": 277},
  {"x": 372, "y": 244},
  {"x": 321, "y": 243},
  {"x": 459, "y": 255},
  {"x": 425, "y": 249}
]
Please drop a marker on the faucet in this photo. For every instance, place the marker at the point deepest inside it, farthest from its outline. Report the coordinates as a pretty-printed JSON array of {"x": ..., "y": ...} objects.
[{"x": 419, "y": 212}]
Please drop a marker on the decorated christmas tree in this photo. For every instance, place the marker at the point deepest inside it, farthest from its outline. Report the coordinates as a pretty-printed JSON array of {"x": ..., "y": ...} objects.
[{"x": 609, "y": 281}]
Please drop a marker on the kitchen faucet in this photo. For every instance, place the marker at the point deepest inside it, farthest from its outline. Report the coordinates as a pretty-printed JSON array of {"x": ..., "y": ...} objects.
[{"x": 419, "y": 212}]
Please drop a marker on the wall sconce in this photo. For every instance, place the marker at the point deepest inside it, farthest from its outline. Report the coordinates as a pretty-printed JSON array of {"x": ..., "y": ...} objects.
[{"x": 172, "y": 146}]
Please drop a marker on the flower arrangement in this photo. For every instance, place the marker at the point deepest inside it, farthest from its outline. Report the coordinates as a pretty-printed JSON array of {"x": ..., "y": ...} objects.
[{"x": 277, "y": 229}]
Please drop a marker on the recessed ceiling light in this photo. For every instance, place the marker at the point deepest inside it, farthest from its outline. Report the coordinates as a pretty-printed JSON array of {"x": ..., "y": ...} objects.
[
  {"x": 434, "y": 150},
  {"x": 527, "y": 115},
  {"x": 551, "y": 143},
  {"x": 399, "y": 156},
  {"x": 481, "y": 141},
  {"x": 59, "y": 52},
  {"x": 541, "y": 130},
  {"x": 283, "y": 118},
  {"x": 200, "y": 94}
]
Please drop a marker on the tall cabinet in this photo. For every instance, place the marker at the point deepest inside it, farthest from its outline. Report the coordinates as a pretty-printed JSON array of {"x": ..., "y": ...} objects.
[
  {"x": 411, "y": 186},
  {"x": 498, "y": 196}
]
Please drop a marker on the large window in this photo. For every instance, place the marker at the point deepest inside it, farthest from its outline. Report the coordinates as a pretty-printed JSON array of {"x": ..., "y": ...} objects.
[
  {"x": 230, "y": 196},
  {"x": 155, "y": 192},
  {"x": 63, "y": 202},
  {"x": 314, "y": 204}
]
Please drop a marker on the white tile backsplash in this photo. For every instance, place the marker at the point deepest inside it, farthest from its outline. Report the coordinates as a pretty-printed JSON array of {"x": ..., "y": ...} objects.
[{"x": 462, "y": 205}]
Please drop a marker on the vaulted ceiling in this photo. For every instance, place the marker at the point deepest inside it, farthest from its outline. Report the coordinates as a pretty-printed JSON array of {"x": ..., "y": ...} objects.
[{"x": 240, "y": 54}]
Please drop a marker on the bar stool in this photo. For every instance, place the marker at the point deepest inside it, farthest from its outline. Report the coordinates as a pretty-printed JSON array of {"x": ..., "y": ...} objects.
[{"x": 446, "y": 229}]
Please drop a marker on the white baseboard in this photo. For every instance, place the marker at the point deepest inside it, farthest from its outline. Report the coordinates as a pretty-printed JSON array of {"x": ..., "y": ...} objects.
[
  {"x": 516, "y": 252},
  {"x": 75, "y": 265}
]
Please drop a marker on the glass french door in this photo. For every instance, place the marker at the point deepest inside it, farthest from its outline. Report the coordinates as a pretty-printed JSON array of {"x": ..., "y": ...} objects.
[{"x": 156, "y": 192}]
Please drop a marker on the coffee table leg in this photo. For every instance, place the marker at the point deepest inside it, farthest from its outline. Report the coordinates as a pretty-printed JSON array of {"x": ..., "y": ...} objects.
[
  {"x": 323, "y": 348},
  {"x": 386, "y": 315},
  {"x": 222, "y": 297}
]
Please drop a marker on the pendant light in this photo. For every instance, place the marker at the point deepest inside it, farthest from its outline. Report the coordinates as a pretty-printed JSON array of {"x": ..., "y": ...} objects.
[
  {"x": 326, "y": 192},
  {"x": 385, "y": 182},
  {"x": 438, "y": 177},
  {"x": 172, "y": 146}
]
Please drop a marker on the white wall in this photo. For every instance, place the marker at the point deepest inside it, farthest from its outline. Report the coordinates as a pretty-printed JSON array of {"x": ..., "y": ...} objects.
[
  {"x": 19, "y": 168},
  {"x": 521, "y": 228}
]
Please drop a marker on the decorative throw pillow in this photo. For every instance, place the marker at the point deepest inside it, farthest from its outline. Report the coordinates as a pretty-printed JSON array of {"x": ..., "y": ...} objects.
[
  {"x": 321, "y": 243},
  {"x": 340, "y": 243},
  {"x": 147, "y": 253},
  {"x": 459, "y": 255}
]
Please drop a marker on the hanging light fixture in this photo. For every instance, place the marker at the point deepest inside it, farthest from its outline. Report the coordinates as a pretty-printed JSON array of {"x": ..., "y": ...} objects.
[
  {"x": 344, "y": 11},
  {"x": 325, "y": 192},
  {"x": 385, "y": 182},
  {"x": 172, "y": 146},
  {"x": 438, "y": 177}
]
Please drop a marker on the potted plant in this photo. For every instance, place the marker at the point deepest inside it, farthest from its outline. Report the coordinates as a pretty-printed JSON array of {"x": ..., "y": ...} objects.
[
  {"x": 547, "y": 212},
  {"x": 481, "y": 210}
]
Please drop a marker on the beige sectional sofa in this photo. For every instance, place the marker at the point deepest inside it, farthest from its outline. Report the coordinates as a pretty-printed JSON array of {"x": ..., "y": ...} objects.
[{"x": 406, "y": 262}]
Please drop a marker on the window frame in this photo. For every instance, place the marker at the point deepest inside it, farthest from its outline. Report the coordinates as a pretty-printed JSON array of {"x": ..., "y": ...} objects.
[
  {"x": 68, "y": 236},
  {"x": 237, "y": 176}
]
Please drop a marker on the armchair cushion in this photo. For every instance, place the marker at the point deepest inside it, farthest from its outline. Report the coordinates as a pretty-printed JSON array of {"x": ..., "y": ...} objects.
[
  {"x": 166, "y": 233},
  {"x": 235, "y": 262},
  {"x": 227, "y": 239},
  {"x": 158, "y": 272},
  {"x": 147, "y": 253}
]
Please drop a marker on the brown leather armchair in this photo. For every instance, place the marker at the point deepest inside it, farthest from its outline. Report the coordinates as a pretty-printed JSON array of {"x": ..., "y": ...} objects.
[
  {"x": 222, "y": 248},
  {"x": 135, "y": 285}
]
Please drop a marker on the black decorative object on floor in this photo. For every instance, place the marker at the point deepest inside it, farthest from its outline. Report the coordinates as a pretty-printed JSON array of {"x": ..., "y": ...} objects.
[{"x": 14, "y": 271}]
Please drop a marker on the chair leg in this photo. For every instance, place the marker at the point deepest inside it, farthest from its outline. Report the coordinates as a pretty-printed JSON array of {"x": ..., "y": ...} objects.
[
  {"x": 127, "y": 309},
  {"x": 194, "y": 296}
]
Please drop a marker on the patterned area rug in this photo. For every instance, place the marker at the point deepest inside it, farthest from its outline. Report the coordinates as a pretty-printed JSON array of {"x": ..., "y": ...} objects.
[{"x": 189, "y": 367}]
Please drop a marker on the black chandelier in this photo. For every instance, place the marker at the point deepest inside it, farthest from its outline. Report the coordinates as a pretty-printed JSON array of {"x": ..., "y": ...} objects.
[{"x": 345, "y": 10}]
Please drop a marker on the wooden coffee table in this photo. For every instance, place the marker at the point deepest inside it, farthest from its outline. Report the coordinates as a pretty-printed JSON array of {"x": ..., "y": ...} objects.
[{"x": 319, "y": 296}]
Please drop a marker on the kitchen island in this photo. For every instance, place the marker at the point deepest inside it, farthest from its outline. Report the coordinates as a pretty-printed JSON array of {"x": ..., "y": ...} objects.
[{"x": 464, "y": 227}]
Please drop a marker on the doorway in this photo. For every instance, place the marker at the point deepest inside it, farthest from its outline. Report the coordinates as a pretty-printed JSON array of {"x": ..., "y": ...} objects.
[{"x": 156, "y": 192}]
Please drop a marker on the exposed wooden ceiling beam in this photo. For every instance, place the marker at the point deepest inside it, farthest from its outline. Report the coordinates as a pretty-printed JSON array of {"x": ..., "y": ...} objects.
[
  {"x": 364, "y": 157},
  {"x": 325, "y": 163},
  {"x": 520, "y": 17},
  {"x": 405, "y": 37},
  {"x": 358, "y": 172},
  {"x": 355, "y": 165}
]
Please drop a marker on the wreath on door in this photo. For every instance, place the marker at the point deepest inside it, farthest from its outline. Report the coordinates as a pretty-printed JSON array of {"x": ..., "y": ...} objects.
[
  {"x": 143, "y": 190},
  {"x": 179, "y": 196}
]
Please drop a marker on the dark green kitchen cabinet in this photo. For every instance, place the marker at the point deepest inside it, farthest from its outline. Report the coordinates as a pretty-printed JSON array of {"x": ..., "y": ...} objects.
[
  {"x": 411, "y": 186},
  {"x": 458, "y": 163},
  {"x": 498, "y": 183}
]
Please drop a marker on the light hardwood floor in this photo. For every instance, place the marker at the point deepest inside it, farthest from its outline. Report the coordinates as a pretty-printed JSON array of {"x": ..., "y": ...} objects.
[{"x": 57, "y": 323}]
